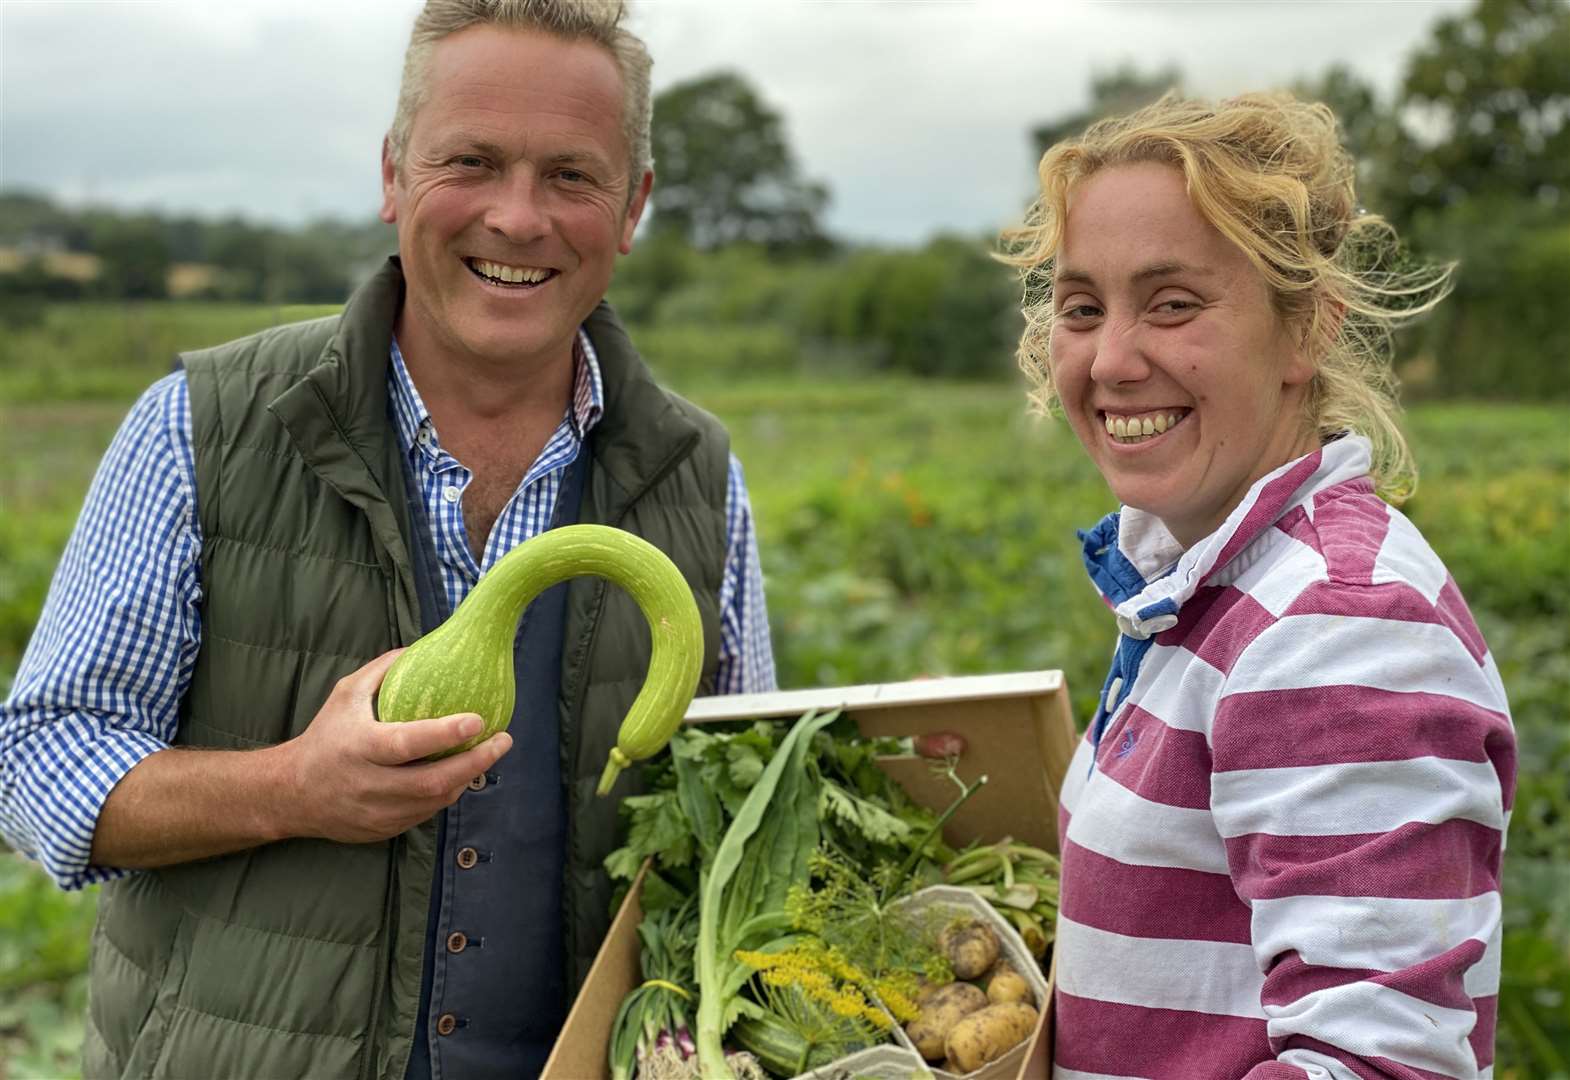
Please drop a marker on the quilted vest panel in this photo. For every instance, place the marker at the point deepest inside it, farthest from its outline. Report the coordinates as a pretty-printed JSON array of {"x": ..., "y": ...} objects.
[{"x": 304, "y": 957}]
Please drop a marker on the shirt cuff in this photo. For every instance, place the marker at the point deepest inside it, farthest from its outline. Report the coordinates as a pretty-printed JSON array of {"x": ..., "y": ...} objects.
[{"x": 65, "y": 771}]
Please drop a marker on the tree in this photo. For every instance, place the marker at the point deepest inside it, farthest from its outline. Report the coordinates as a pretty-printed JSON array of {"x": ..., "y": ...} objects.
[
  {"x": 1488, "y": 99},
  {"x": 1372, "y": 132},
  {"x": 135, "y": 257},
  {"x": 725, "y": 171}
]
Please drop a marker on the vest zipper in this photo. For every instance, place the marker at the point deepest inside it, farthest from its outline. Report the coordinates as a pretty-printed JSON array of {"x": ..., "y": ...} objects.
[
  {"x": 383, "y": 967},
  {"x": 570, "y": 752}
]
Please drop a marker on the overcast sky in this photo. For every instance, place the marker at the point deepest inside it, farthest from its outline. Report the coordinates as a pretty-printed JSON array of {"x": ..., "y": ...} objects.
[{"x": 915, "y": 114}]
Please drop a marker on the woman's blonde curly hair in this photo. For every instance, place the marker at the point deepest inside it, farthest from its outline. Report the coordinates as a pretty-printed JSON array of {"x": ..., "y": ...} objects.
[{"x": 1270, "y": 172}]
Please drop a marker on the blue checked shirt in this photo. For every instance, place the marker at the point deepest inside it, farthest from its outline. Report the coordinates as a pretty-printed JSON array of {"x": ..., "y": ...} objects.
[{"x": 100, "y": 685}]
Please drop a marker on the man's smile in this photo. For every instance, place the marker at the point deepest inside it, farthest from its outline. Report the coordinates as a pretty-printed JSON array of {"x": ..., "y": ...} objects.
[{"x": 495, "y": 273}]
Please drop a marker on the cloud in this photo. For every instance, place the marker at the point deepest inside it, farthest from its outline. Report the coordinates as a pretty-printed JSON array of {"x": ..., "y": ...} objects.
[{"x": 916, "y": 114}]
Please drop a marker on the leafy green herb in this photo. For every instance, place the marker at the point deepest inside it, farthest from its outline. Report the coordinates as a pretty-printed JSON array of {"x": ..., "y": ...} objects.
[
  {"x": 742, "y": 900},
  {"x": 660, "y": 1005}
]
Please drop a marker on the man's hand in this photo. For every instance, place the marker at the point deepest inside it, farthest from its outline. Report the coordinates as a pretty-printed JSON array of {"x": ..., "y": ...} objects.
[
  {"x": 346, "y": 777},
  {"x": 357, "y": 780}
]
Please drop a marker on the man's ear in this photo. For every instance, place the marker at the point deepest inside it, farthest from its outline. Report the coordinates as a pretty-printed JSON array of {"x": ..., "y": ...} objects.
[
  {"x": 389, "y": 210},
  {"x": 635, "y": 206}
]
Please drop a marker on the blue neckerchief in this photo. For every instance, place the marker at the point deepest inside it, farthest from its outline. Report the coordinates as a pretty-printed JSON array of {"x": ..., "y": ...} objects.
[{"x": 1118, "y": 580}]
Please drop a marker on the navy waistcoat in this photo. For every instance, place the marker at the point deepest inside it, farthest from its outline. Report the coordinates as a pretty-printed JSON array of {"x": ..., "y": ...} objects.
[{"x": 493, "y": 994}]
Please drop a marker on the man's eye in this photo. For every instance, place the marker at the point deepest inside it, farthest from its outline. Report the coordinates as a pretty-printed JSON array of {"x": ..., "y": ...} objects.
[
  {"x": 469, "y": 161},
  {"x": 572, "y": 176}
]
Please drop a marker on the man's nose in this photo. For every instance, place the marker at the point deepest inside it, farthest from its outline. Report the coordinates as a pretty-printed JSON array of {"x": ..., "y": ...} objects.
[
  {"x": 518, "y": 209},
  {"x": 1120, "y": 356}
]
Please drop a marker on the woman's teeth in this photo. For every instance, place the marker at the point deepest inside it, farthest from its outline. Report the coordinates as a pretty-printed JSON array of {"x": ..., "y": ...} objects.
[{"x": 1133, "y": 429}]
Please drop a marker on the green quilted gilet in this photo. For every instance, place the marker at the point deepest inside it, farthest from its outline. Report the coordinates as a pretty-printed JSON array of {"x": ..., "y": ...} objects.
[{"x": 303, "y": 958}]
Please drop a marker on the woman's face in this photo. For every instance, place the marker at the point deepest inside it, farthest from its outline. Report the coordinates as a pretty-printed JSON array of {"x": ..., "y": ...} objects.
[{"x": 1174, "y": 370}]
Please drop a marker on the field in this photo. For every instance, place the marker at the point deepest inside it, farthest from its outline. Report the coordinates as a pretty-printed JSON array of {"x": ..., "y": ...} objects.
[{"x": 907, "y": 527}]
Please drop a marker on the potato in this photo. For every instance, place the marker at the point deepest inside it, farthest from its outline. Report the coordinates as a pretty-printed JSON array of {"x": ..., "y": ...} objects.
[
  {"x": 987, "y": 1034},
  {"x": 1008, "y": 985},
  {"x": 947, "y": 1006},
  {"x": 971, "y": 947}
]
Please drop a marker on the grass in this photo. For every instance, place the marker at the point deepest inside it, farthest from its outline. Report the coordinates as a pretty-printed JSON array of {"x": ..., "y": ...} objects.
[{"x": 906, "y": 527}]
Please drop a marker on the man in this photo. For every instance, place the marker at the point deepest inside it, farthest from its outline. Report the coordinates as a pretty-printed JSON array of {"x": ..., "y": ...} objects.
[{"x": 313, "y": 899}]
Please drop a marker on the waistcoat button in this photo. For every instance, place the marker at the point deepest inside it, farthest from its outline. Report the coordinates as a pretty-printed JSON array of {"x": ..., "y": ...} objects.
[
  {"x": 457, "y": 941},
  {"x": 446, "y": 1024},
  {"x": 467, "y": 857}
]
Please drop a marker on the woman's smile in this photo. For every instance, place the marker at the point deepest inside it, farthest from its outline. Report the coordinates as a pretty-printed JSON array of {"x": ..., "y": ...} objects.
[{"x": 1128, "y": 427}]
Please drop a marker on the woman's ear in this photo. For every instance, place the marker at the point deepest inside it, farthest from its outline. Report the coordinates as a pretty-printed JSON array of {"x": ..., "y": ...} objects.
[{"x": 1312, "y": 339}]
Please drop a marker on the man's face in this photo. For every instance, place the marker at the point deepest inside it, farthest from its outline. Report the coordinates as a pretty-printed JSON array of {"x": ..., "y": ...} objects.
[{"x": 513, "y": 196}]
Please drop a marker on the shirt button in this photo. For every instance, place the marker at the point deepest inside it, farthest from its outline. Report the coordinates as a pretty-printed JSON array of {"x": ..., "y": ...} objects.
[
  {"x": 457, "y": 941},
  {"x": 424, "y": 438},
  {"x": 467, "y": 857},
  {"x": 451, "y": 494},
  {"x": 446, "y": 1024},
  {"x": 478, "y": 783}
]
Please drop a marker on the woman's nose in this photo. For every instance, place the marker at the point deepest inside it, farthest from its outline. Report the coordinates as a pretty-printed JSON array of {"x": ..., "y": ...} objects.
[{"x": 1120, "y": 357}]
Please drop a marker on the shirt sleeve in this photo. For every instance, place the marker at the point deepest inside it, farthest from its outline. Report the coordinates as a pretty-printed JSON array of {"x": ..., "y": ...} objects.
[
  {"x": 746, "y": 663},
  {"x": 1364, "y": 767},
  {"x": 100, "y": 684}
]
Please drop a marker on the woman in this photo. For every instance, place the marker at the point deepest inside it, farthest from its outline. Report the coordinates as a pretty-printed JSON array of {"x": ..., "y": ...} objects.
[{"x": 1281, "y": 836}]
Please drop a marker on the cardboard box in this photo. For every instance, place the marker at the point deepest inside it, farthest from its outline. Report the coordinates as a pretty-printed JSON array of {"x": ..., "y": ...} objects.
[{"x": 1018, "y": 731}]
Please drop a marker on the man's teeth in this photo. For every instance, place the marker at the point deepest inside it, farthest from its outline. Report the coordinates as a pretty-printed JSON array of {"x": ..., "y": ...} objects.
[
  {"x": 1140, "y": 428},
  {"x": 516, "y": 275}
]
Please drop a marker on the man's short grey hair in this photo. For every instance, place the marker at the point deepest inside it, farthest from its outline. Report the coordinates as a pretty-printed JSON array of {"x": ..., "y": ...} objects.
[{"x": 598, "y": 21}]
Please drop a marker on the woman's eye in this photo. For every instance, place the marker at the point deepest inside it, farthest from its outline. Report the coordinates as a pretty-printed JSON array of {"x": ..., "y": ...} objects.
[
  {"x": 1081, "y": 311},
  {"x": 1176, "y": 306}
]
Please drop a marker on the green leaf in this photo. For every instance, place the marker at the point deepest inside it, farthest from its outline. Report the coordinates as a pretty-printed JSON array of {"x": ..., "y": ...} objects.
[
  {"x": 659, "y": 895},
  {"x": 659, "y": 828},
  {"x": 745, "y": 764},
  {"x": 867, "y": 818},
  {"x": 701, "y": 805},
  {"x": 622, "y": 864},
  {"x": 764, "y": 852}
]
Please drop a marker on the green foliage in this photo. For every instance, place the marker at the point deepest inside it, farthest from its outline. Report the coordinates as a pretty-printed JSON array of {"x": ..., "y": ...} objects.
[
  {"x": 111, "y": 352},
  {"x": 907, "y": 526},
  {"x": 660, "y": 1006},
  {"x": 1491, "y": 88},
  {"x": 857, "y": 913},
  {"x": 741, "y": 897},
  {"x": 43, "y": 964},
  {"x": 726, "y": 173},
  {"x": 314, "y": 264},
  {"x": 696, "y": 791},
  {"x": 1502, "y": 333},
  {"x": 945, "y": 309},
  {"x": 135, "y": 256}
]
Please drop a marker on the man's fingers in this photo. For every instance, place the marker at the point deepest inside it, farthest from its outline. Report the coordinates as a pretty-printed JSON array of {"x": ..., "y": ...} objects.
[
  {"x": 436, "y": 779},
  {"x": 363, "y": 682},
  {"x": 398, "y": 744}
]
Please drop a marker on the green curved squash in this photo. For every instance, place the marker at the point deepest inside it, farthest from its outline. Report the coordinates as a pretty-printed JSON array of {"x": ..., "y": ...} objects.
[{"x": 466, "y": 664}]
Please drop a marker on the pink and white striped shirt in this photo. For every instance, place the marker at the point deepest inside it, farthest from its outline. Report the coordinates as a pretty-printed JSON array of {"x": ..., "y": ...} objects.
[{"x": 1281, "y": 858}]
